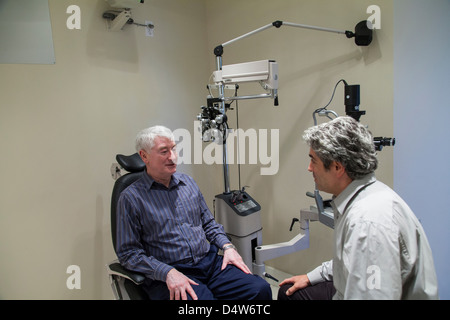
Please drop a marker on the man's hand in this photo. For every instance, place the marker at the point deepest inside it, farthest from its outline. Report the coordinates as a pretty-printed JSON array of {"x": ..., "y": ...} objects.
[
  {"x": 299, "y": 282},
  {"x": 231, "y": 256},
  {"x": 179, "y": 285}
]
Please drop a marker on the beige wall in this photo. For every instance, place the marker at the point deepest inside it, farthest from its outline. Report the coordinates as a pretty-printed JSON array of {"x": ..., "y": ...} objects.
[{"x": 61, "y": 125}]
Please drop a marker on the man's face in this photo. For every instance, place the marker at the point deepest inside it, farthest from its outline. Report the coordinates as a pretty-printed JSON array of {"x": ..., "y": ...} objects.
[
  {"x": 161, "y": 161},
  {"x": 325, "y": 179}
]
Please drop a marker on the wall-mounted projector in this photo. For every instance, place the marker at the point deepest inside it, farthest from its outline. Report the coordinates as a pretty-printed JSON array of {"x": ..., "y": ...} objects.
[
  {"x": 265, "y": 71},
  {"x": 124, "y": 3}
]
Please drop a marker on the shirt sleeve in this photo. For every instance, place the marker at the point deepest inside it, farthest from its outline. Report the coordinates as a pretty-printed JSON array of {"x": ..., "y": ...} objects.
[
  {"x": 371, "y": 263},
  {"x": 322, "y": 273},
  {"x": 129, "y": 247}
]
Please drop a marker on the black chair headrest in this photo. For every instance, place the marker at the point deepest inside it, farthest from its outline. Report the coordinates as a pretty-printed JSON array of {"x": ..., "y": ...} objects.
[
  {"x": 134, "y": 165},
  {"x": 131, "y": 163}
]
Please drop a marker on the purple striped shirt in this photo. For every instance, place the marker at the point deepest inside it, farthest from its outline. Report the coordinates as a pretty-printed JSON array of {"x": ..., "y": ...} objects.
[{"x": 159, "y": 226}]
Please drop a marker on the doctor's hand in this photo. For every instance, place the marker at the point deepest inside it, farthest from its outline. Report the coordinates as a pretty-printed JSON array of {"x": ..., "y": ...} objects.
[
  {"x": 298, "y": 282},
  {"x": 231, "y": 256},
  {"x": 179, "y": 286}
]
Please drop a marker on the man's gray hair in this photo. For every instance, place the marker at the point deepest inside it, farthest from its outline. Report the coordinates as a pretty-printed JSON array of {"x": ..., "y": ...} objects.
[
  {"x": 346, "y": 141},
  {"x": 146, "y": 138}
]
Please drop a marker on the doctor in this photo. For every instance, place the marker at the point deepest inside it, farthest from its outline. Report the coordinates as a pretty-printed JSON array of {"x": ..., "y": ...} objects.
[{"x": 380, "y": 249}]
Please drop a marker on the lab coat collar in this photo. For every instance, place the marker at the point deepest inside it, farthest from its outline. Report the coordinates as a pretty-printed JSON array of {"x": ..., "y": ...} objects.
[{"x": 340, "y": 202}]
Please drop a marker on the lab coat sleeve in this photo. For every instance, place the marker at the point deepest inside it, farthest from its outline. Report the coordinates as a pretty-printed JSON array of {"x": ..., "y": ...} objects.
[
  {"x": 322, "y": 273},
  {"x": 371, "y": 263}
]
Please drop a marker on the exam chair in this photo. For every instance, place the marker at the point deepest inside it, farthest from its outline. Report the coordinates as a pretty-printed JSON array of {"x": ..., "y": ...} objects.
[{"x": 126, "y": 284}]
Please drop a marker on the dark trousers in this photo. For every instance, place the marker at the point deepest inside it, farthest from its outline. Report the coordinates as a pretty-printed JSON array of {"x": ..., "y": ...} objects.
[
  {"x": 229, "y": 284},
  {"x": 321, "y": 291}
]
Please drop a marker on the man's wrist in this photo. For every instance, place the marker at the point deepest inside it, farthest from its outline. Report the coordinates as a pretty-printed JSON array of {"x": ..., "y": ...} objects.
[{"x": 228, "y": 246}]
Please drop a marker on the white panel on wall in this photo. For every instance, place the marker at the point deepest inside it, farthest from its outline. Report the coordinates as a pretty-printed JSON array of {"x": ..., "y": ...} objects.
[{"x": 25, "y": 32}]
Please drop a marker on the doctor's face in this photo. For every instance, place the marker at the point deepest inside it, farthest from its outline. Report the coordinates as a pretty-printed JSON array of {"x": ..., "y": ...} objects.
[{"x": 324, "y": 178}]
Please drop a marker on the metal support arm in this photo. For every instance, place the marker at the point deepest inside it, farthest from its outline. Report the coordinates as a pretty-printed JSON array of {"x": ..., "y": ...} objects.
[
  {"x": 299, "y": 242},
  {"x": 363, "y": 35}
]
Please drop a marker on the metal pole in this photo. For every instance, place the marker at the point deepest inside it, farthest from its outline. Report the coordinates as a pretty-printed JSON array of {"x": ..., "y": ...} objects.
[
  {"x": 304, "y": 26},
  {"x": 279, "y": 24},
  {"x": 222, "y": 109},
  {"x": 247, "y": 34}
]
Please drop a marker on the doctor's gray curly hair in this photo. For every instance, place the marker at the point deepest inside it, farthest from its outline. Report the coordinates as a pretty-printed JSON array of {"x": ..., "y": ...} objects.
[{"x": 346, "y": 141}]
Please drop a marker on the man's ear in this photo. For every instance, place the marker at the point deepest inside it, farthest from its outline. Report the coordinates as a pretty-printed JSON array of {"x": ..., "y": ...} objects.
[
  {"x": 339, "y": 168},
  {"x": 144, "y": 156}
]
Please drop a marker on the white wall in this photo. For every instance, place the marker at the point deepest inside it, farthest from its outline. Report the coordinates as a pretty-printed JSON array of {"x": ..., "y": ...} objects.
[{"x": 421, "y": 115}]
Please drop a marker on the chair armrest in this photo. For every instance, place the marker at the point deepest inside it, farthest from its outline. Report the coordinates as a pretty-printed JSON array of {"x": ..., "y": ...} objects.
[{"x": 117, "y": 269}]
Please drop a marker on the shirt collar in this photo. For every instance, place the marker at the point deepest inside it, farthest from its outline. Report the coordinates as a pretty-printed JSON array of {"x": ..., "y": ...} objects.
[
  {"x": 177, "y": 178},
  {"x": 341, "y": 201}
]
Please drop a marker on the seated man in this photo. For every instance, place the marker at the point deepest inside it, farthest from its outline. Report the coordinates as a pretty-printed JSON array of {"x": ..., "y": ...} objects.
[
  {"x": 380, "y": 249},
  {"x": 166, "y": 231}
]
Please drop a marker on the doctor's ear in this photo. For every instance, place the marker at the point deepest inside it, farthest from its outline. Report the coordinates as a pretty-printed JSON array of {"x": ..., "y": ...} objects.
[{"x": 338, "y": 167}]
